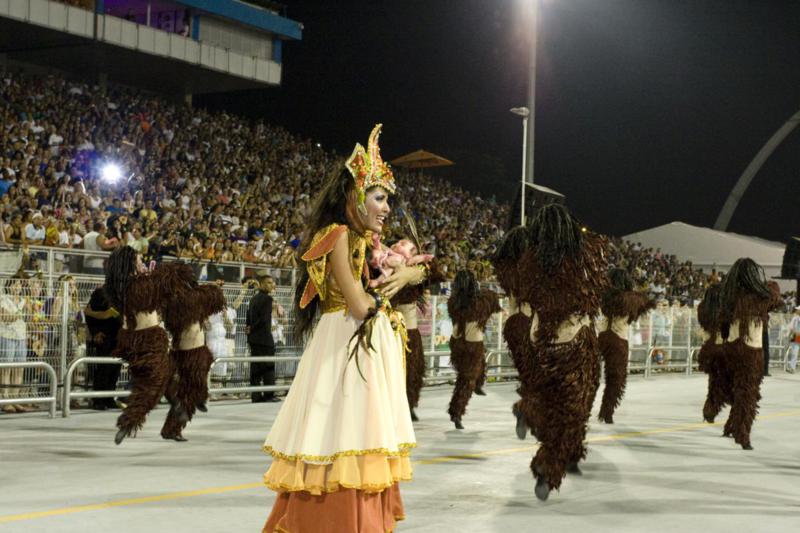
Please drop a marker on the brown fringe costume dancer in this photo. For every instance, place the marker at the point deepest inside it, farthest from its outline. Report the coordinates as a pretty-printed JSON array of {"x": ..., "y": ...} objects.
[
  {"x": 407, "y": 301},
  {"x": 621, "y": 306},
  {"x": 511, "y": 276},
  {"x": 711, "y": 358},
  {"x": 565, "y": 278},
  {"x": 745, "y": 299},
  {"x": 142, "y": 342},
  {"x": 470, "y": 309},
  {"x": 184, "y": 315}
]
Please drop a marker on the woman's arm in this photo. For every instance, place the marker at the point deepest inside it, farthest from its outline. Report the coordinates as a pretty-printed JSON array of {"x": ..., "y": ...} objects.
[
  {"x": 357, "y": 299},
  {"x": 401, "y": 277}
]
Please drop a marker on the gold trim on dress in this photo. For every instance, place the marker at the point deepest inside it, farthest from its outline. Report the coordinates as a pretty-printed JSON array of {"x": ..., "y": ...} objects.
[{"x": 404, "y": 450}]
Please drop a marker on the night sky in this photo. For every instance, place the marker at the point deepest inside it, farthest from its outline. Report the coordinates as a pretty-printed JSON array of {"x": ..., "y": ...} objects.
[{"x": 647, "y": 111}]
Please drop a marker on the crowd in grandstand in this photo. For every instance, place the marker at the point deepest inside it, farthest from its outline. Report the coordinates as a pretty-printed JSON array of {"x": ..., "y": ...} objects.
[{"x": 193, "y": 184}]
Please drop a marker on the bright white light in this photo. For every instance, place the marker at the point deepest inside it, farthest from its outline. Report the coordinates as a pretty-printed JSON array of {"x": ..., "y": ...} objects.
[{"x": 111, "y": 173}]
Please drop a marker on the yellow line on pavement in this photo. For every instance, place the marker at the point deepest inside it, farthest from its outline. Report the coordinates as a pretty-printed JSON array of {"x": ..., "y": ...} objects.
[
  {"x": 431, "y": 461},
  {"x": 129, "y": 501}
]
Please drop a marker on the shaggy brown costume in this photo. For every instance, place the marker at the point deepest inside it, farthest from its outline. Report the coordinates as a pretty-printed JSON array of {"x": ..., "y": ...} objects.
[
  {"x": 745, "y": 365},
  {"x": 468, "y": 357},
  {"x": 516, "y": 332},
  {"x": 712, "y": 359},
  {"x": 188, "y": 387},
  {"x": 146, "y": 353},
  {"x": 172, "y": 290},
  {"x": 563, "y": 377},
  {"x": 614, "y": 350},
  {"x": 510, "y": 274},
  {"x": 415, "y": 356},
  {"x": 563, "y": 389},
  {"x": 415, "y": 367}
]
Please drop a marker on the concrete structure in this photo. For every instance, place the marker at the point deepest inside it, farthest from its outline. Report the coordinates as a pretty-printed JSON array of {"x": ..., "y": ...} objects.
[
  {"x": 658, "y": 469},
  {"x": 178, "y": 47}
]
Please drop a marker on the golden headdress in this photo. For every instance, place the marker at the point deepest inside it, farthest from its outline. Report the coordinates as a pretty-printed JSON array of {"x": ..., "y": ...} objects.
[{"x": 367, "y": 167}]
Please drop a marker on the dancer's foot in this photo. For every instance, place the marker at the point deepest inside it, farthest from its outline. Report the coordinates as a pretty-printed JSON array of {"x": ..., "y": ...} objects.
[
  {"x": 727, "y": 434},
  {"x": 479, "y": 392},
  {"x": 573, "y": 468},
  {"x": 202, "y": 407},
  {"x": 747, "y": 446},
  {"x": 177, "y": 438},
  {"x": 542, "y": 488},
  {"x": 608, "y": 419},
  {"x": 414, "y": 417},
  {"x": 120, "y": 436},
  {"x": 709, "y": 413},
  {"x": 522, "y": 427},
  {"x": 457, "y": 421}
]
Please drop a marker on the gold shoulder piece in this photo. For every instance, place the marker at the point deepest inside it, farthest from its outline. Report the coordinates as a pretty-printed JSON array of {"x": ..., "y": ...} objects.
[{"x": 316, "y": 259}]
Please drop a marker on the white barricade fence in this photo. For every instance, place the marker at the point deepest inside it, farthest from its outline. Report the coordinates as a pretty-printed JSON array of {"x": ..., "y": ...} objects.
[{"x": 31, "y": 389}]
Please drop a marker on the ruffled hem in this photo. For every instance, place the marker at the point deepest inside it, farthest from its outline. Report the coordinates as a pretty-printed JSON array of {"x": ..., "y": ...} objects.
[
  {"x": 343, "y": 511},
  {"x": 367, "y": 473}
]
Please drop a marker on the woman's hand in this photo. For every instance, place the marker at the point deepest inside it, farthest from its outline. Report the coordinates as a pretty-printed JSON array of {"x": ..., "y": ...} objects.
[{"x": 402, "y": 276}]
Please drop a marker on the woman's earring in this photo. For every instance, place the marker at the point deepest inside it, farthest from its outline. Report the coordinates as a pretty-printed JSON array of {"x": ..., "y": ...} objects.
[{"x": 362, "y": 210}]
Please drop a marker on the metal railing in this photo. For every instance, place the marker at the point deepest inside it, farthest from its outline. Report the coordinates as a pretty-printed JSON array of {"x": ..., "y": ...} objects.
[
  {"x": 69, "y": 395},
  {"x": 53, "y": 262},
  {"x": 212, "y": 390},
  {"x": 52, "y": 398}
]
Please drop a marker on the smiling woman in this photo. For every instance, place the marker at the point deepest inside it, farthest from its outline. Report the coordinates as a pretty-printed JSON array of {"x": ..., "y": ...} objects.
[{"x": 341, "y": 441}]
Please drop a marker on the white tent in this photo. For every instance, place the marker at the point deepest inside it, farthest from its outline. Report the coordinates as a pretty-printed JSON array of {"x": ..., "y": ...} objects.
[{"x": 707, "y": 248}]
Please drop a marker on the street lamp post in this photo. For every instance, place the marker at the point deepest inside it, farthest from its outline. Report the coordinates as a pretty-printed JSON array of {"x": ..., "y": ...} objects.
[{"x": 523, "y": 112}]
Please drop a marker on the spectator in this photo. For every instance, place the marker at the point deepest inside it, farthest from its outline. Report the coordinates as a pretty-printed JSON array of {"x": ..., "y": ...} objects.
[
  {"x": 259, "y": 337},
  {"x": 104, "y": 323},
  {"x": 13, "y": 339},
  {"x": 96, "y": 241},
  {"x": 35, "y": 232}
]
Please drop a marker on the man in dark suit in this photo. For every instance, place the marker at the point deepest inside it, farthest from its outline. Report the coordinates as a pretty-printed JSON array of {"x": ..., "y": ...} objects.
[
  {"x": 259, "y": 336},
  {"x": 103, "y": 322}
]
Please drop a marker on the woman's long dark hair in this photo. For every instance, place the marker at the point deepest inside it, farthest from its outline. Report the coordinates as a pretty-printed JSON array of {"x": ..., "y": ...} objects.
[
  {"x": 330, "y": 207},
  {"x": 709, "y": 308},
  {"x": 465, "y": 292},
  {"x": 120, "y": 268},
  {"x": 620, "y": 279},
  {"x": 744, "y": 277},
  {"x": 515, "y": 242},
  {"x": 556, "y": 234}
]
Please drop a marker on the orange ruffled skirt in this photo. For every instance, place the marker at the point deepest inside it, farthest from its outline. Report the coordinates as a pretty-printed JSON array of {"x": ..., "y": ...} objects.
[{"x": 350, "y": 510}]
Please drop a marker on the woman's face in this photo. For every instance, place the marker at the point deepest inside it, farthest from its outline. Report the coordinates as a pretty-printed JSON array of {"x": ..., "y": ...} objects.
[{"x": 377, "y": 204}]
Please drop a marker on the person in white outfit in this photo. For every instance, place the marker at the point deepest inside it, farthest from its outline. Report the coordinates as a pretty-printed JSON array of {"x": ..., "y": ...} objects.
[
  {"x": 220, "y": 327},
  {"x": 794, "y": 340}
]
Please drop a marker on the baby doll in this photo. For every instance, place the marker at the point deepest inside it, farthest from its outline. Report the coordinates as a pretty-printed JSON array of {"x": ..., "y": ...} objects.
[{"x": 386, "y": 260}]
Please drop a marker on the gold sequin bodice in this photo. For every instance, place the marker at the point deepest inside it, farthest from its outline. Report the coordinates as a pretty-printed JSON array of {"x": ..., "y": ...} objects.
[{"x": 331, "y": 297}]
